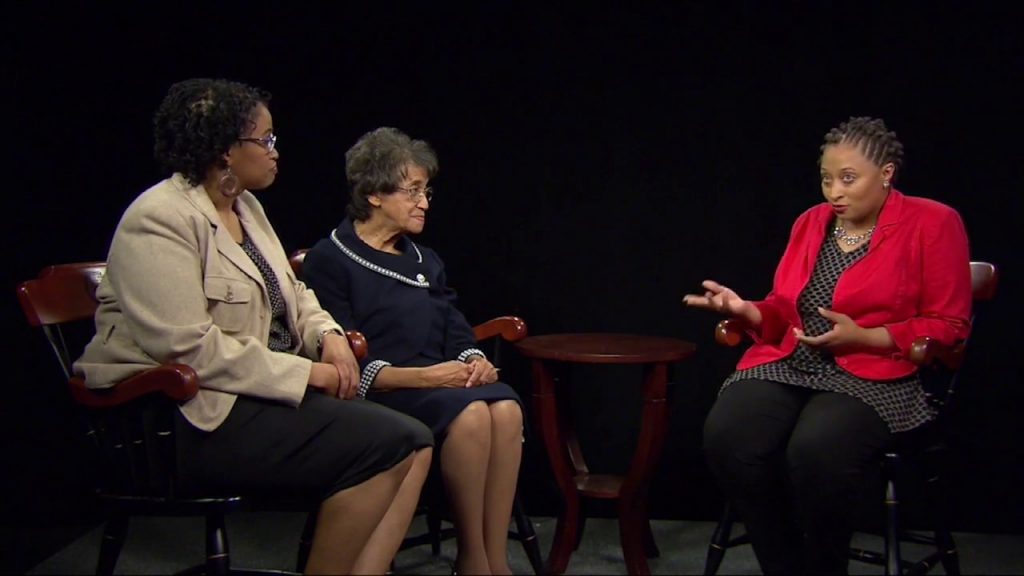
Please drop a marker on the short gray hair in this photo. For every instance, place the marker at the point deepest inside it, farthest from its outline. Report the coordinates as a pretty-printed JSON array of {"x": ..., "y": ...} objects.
[{"x": 376, "y": 164}]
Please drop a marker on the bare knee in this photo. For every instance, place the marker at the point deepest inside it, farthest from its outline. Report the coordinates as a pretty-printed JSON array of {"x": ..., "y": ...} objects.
[
  {"x": 402, "y": 468},
  {"x": 391, "y": 477},
  {"x": 421, "y": 459},
  {"x": 474, "y": 420},
  {"x": 507, "y": 419}
]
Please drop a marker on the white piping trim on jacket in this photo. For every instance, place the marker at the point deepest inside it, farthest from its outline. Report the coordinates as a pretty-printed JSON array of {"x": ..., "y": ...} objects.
[{"x": 420, "y": 281}]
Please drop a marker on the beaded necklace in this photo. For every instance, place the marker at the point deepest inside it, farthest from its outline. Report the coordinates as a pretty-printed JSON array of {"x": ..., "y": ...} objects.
[{"x": 850, "y": 239}]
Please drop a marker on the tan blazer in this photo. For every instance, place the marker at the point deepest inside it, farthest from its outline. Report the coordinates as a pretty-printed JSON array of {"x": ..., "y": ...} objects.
[{"x": 179, "y": 289}]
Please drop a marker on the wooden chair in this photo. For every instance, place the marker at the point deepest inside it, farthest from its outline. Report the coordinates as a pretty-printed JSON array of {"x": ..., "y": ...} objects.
[
  {"x": 499, "y": 330},
  {"x": 939, "y": 367},
  {"x": 130, "y": 427}
]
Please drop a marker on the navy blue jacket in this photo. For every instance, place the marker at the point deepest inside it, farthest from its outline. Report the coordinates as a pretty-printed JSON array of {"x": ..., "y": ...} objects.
[{"x": 400, "y": 302}]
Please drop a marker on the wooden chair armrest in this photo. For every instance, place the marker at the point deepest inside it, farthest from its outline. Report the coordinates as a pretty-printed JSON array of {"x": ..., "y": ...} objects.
[
  {"x": 510, "y": 328},
  {"x": 176, "y": 381},
  {"x": 927, "y": 351},
  {"x": 731, "y": 331},
  {"x": 924, "y": 351},
  {"x": 357, "y": 342}
]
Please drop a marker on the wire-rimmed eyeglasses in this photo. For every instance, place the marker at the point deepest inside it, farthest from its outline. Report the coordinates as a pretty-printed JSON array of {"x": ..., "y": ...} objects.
[
  {"x": 416, "y": 193},
  {"x": 268, "y": 142}
]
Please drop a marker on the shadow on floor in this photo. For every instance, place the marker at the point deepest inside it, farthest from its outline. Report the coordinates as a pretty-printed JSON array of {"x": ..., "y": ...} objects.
[{"x": 268, "y": 540}]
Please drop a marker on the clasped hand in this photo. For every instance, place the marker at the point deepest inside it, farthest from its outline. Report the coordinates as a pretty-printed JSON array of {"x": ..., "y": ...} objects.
[
  {"x": 338, "y": 353},
  {"x": 454, "y": 374}
]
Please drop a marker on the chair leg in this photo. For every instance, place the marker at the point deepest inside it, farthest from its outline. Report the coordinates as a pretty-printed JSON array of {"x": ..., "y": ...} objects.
[
  {"x": 579, "y": 533},
  {"x": 650, "y": 546},
  {"x": 113, "y": 540},
  {"x": 217, "y": 559},
  {"x": 943, "y": 536},
  {"x": 434, "y": 528},
  {"x": 306, "y": 542},
  {"x": 719, "y": 540},
  {"x": 950, "y": 556},
  {"x": 893, "y": 562},
  {"x": 527, "y": 536}
]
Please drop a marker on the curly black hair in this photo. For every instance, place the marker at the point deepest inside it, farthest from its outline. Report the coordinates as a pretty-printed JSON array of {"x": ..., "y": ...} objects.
[
  {"x": 199, "y": 120},
  {"x": 376, "y": 164},
  {"x": 870, "y": 135}
]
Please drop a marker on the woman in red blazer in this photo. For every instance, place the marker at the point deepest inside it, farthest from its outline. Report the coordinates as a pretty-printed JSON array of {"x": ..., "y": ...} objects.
[{"x": 827, "y": 384}]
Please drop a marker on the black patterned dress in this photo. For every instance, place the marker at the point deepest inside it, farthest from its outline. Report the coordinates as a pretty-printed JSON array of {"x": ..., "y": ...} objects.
[
  {"x": 280, "y": 337},
  {"x": 902, "y": 404}
]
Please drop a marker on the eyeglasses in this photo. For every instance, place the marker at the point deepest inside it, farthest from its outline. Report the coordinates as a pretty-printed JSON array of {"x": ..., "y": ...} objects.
[
  {"x": 416, "y": 193},
  {"x": 268, "y": 142}
]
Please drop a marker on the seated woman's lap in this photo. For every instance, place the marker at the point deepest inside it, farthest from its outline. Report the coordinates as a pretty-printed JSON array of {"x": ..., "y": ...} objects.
[
  {"x": 305, "y": 453},
  {"x": 438, "y": 407},
  {"x": 836, "y": 434},
  {"x": 757, "y": 428}
]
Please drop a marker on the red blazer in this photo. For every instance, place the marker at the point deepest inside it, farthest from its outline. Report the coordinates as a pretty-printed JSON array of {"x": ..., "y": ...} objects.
[{"x": 915, "y": 281}]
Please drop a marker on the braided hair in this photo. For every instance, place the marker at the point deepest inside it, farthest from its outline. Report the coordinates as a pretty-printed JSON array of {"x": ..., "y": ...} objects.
[{"x": 869, "y": 135}]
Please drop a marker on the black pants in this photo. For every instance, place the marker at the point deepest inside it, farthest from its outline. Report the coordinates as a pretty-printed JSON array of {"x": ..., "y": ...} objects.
[{"x": 794, "y": 461}]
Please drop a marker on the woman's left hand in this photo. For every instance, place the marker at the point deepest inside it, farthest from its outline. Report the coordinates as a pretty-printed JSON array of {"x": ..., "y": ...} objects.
[
  {"x": 337, "y": 351},
  {"x": 483, "y": 372},
  {"x": 845, "y": 333}
]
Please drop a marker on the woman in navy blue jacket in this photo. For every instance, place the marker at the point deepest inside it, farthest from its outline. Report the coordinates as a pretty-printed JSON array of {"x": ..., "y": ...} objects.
[{"x": 372, "y": 277}]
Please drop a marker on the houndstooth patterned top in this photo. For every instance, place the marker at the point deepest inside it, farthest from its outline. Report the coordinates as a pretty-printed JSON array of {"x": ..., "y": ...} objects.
[
  {"x": 280, "y": 337},
  {"x": 903, "y": 403}
]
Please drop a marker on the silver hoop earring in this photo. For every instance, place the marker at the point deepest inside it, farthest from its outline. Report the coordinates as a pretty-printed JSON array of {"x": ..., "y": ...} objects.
[{"x": 229, "y": 185}]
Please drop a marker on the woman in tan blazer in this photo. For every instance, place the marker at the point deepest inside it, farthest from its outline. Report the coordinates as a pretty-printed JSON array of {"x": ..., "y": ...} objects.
[{"x": 196, "y": 275}]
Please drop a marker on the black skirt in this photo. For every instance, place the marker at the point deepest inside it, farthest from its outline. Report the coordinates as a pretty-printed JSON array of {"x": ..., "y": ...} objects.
[{"x": 295, "y": 454}]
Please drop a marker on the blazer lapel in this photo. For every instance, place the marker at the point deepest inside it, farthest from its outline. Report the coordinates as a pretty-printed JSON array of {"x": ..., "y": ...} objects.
[
  {"x": 888, "y": 219},
  {"x": 822, "y": 218},
  {"x": 225, "y": 244}
]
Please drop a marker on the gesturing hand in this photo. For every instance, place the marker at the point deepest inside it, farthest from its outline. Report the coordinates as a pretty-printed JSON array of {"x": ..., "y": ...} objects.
[
  {"x": 844, "y": 334},
  {"x": 336, "y": 351},
  {"x": 718, "y": 298}
]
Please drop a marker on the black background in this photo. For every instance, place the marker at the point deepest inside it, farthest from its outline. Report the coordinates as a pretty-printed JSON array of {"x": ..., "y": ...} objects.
[{"x": 596, "y": 165}]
